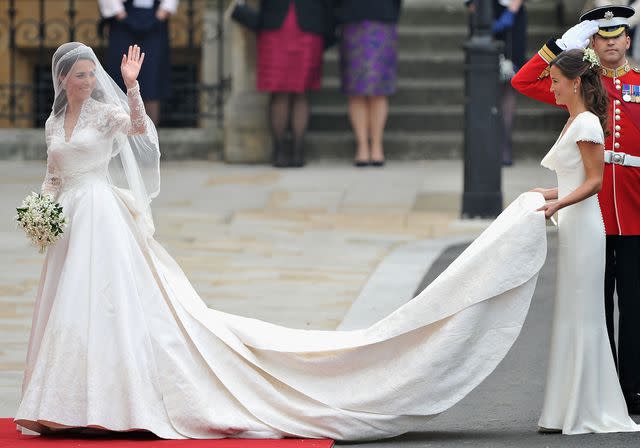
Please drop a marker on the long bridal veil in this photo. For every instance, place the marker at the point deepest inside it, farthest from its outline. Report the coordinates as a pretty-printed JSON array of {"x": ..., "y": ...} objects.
[{"x": 134, "y": 167}]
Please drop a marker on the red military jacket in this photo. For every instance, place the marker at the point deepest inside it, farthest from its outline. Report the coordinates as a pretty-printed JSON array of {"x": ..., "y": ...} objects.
[{"x": 620, "y": 194}]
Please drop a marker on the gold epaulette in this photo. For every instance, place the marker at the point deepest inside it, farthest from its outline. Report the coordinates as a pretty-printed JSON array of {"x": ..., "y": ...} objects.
[{"x": 546, "y": 54}]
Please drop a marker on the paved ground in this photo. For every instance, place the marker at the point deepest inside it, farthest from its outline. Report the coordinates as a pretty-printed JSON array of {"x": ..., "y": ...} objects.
[
  {"x": 299, "y": 248},
  {"x": 503, "y": 411}
]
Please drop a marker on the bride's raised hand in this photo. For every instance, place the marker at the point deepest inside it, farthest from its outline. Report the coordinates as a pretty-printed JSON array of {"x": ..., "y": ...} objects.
[{"x": 130, "y": 66}]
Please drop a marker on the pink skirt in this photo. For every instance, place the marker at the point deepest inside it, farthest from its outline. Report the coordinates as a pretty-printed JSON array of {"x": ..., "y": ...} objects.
[{"x": 289, "y": 59}]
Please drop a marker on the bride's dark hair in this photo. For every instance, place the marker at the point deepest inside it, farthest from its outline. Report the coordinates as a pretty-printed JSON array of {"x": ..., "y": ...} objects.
[
  {"x": 571, "y": 64},
  {"x": 63, "y": 67}
]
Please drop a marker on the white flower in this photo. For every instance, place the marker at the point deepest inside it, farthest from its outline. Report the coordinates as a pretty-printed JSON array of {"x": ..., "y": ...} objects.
[
  {"x": 591, "y": 56},
  {"x": 42, "y": 219}
]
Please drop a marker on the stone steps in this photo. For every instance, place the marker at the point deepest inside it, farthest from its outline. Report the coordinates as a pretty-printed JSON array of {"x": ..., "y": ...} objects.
[
  {"x": 426, "y": 115},
  {"x": 454, "y": 13},
  {"x": 445, "y": 39},
  {"x": 435, "y": 118},
  {"x": 421, "y": 145},
  {"x": 409, "y": 92}
]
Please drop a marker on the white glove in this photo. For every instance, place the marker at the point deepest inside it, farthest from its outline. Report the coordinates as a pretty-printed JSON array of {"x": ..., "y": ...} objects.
[{"x": 578, "y": 36}]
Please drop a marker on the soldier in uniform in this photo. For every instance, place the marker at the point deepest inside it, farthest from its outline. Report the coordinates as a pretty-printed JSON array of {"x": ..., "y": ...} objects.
[{"x": 606, "y": 29}]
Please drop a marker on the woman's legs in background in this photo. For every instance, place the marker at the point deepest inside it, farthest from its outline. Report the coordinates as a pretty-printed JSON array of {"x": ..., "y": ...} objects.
[
  {"x": 359, "y": 116},
  {"x": 279, "y": 111},
  {"x": 286, "y": 108},
  {"x": 299, "y": 124},
  {"x": 378, "y": 112}
]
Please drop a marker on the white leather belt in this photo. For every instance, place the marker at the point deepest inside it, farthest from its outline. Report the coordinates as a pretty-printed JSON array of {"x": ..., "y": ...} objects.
[{"x": 620, "y": 158}]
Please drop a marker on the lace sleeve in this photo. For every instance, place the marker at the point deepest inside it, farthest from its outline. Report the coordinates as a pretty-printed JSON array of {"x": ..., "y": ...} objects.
[
  {"x": 134, "y": 124},
  {"x": 589, "y": 130},
  {"x": 52, "y": 179}
]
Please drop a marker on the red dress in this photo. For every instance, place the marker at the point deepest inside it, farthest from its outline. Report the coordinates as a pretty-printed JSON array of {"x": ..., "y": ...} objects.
[
  {"x": 620, "y": 194},
  {"x": 289, "y": 59}
]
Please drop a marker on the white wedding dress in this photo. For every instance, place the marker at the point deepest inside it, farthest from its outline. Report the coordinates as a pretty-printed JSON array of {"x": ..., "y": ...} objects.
[
  {"x": 583, "y": 393},
  {"x": 121, "y": 341}
]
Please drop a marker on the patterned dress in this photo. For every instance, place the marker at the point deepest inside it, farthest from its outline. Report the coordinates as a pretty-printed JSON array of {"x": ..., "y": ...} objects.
[{"x": 369, "y": 58}]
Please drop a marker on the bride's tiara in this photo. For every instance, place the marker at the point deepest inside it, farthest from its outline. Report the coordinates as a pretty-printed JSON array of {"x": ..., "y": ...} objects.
[{"x": 79, "y": 49}]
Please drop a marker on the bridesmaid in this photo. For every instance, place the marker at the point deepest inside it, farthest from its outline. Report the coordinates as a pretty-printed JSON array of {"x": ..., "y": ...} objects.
[
  {"x": 291, "y": 40},
  {"x": 368, "y": 62},
  {"x": 583, "y": 393}
]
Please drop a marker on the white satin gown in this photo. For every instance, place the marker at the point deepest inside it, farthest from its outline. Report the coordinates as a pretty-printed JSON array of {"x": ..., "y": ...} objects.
[
  {"x": 121, "y": 341},
  {"x": 583, "y": 393}
]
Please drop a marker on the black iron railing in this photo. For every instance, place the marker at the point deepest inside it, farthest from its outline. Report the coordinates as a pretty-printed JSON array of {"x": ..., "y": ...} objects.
[{"x": 31, "y": 30}]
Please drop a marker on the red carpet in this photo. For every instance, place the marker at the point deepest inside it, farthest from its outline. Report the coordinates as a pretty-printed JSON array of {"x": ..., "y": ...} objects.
[{"x": 10, "y": 438}]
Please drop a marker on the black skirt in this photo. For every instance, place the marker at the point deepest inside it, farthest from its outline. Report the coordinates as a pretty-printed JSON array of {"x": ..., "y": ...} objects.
[{"x": 152, "y": 35}]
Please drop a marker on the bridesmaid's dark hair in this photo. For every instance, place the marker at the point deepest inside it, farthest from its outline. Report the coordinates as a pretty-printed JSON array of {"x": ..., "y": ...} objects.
[{"x": 571, "y": 64}]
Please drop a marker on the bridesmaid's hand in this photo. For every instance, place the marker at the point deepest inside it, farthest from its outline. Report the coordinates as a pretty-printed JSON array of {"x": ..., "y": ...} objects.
[
  {"x": 549, "y": 209},
  {"x": 547, "y": 193},
  {"x": 130, "y": 66},
  {"x": 538, "y": 190}
]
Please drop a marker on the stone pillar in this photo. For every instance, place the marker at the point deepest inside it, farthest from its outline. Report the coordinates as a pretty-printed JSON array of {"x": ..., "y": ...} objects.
[
  {"x": 210, "y": 66},
  {"x": 247, "y": 138}
]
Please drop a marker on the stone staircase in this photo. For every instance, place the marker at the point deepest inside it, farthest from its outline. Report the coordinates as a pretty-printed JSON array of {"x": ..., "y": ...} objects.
[{"x": 426, "y": 116}]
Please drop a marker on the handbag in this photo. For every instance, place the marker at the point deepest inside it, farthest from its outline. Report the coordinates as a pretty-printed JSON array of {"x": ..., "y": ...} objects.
[{"x": 245, "y": 15}]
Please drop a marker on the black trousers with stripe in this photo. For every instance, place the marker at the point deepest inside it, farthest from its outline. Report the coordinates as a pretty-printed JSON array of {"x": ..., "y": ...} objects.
[{"x": 622, "y": 276}]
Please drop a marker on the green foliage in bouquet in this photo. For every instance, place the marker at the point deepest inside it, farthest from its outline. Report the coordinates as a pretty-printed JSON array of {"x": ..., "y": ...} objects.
[{"x": 42, "y": 220}]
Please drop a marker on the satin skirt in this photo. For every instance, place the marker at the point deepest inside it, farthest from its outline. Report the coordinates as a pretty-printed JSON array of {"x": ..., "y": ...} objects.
[{"x": 121, "y": 341}]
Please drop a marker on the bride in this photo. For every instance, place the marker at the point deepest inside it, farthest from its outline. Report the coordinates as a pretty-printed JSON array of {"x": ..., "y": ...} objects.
[{"x": 120, "y": 341}]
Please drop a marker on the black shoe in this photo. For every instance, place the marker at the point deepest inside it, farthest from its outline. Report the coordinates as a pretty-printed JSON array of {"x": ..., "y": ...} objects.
[
  {"x": 297, "y": 158},
  {"x": 360, "y": 163},
  {"x": 280, "y": 157},
  {"x": 377, "y": 163},
  {"x": 543, "y": 430}
]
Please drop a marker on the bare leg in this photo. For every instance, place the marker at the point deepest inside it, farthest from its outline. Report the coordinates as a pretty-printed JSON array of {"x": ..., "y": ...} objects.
[
  {"x": 359, "y": 115},
  {"x": 378, "y": 109},
  {"x": 153, "y": 110},
  {"x": 279, "y": 110},
  {"x": 299, "y": 123}
]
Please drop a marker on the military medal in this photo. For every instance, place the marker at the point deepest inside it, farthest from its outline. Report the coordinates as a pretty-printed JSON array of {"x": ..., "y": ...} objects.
[
  {"x": 626, "y": 92},
  {"x": 635, "y": 94}
]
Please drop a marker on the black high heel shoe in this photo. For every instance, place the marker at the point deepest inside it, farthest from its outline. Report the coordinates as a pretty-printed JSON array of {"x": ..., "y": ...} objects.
[
  {"x": 297, "y": 157},
  {"x": 280, "y": 158}
]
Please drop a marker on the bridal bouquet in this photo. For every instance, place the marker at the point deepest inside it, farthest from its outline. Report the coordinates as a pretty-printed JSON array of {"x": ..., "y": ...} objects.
[{"x": 42, "y": 219}]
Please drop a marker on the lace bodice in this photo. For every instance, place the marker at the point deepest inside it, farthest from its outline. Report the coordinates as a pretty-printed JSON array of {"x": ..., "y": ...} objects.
[{"x": 92, "y": 142}]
